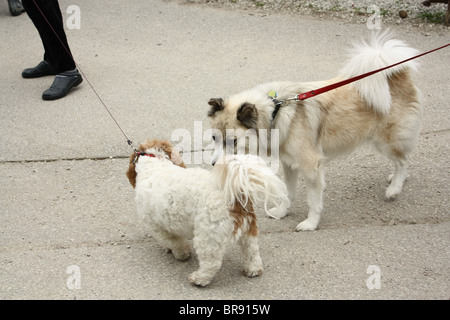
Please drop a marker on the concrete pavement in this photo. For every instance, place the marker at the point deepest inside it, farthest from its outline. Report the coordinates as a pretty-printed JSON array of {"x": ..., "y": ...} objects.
[{"x": 68, "y": 222}]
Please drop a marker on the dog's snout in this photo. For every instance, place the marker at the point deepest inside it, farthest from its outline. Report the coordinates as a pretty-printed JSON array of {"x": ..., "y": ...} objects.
[{"x": 213, "y": 163}]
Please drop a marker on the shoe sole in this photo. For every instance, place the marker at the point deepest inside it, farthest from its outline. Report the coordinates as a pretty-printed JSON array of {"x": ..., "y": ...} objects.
[{"x": 37, "y": 75}]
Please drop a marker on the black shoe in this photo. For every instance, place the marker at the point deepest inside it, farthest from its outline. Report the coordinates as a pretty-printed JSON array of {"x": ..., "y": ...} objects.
[
  {"x": 15, "y": 7},
  {"x": 62, "y": 84},
  {"x": 41, "y": 70}
]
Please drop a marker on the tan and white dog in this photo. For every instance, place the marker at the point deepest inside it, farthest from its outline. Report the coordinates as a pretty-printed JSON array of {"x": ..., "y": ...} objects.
[{"x": 384, "y": 109}]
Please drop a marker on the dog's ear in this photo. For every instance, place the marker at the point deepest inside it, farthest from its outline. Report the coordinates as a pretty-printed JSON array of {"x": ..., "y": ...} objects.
[
  {"x": 173, "y": 153},
  {"x": 176, "y": 158},
  {"x": 248, "y": 115},
  {"x": 131, "y": 172},
  {"x": 216, "y": 105}
]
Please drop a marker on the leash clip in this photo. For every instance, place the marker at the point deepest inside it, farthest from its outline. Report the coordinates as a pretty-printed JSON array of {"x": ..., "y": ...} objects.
[{"x": 136, "y": 157}]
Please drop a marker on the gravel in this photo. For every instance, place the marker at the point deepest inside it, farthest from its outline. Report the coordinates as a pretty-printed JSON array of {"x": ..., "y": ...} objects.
[{"x": 390, "y": 12}]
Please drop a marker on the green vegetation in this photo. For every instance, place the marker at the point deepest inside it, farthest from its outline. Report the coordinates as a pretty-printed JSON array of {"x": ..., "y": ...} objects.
[{"x": 433, "y": 17}]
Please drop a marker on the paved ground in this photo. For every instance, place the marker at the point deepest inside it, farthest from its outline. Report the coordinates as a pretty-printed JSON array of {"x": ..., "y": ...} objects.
[{"x": 67, "y": 210}]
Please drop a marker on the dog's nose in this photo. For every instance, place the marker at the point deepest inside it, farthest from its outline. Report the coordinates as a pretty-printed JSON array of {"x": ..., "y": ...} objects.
[{"x": 213, "y": 163}]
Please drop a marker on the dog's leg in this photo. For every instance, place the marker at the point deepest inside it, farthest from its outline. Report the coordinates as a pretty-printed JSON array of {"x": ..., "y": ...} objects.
[
  {"x": 291, "y": 178},
  {"x": 396, "y": 151},
  {"x": 396, "y": 179},
  {"x": 180, "y": 247},
  {"x": 250, "y": 248},
  {"x": 210, "y": 247},
  {"x": 315, "y": 184},
  {"x": 210, "y": 262}
]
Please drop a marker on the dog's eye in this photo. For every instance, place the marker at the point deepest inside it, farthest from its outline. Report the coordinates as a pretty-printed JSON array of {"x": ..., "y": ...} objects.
[{"x": 214, "y": 138}]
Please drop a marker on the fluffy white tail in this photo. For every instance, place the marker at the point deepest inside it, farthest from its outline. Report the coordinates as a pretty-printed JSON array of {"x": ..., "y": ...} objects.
[
  {"x": 380, "y": 52},
  {"x": 247, "y": 179}
]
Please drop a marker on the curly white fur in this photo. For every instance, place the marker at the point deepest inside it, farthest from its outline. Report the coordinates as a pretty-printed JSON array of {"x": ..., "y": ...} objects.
[{"x": 178, "y": 204}]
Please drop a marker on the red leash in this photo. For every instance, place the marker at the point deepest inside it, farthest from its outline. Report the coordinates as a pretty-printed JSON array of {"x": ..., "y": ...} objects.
[{"x": 313, "y": 93}]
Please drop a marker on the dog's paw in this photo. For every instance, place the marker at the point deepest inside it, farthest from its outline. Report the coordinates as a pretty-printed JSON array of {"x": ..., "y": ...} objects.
[
  {"x": 181, "y": 255},
  {"x": 251, "y": 273},
  {"x": 306, "y": 225},
  {"x": 395, "y": 186},
  {"x": 198, "y": 279},
  {"x": 253, "y": 268},
  {"x": 277, "y": 213},
  {"x": 392, "y": 192}
]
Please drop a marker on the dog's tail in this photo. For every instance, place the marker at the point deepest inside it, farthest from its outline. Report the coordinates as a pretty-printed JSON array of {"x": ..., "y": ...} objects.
[
  {"x": 380, "y": 52},
  {"x": 246, "y": 179}
]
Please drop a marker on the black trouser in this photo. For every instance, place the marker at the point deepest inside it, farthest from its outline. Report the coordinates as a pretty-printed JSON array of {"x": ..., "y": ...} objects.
[{"x": 57, "y": 54}]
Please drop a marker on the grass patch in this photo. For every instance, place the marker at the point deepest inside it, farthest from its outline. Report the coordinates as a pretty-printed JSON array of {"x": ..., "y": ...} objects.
[{"x": 433, "y": 17}]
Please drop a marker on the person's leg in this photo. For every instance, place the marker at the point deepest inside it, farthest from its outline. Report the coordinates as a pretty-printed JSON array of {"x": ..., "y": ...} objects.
[{"x": 47, "y": 18}]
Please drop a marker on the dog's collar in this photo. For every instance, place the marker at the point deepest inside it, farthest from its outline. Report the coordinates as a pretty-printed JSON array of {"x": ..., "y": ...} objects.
[
  {"x": 138, "y": 154},
  {"x": 272, "y": 95}
]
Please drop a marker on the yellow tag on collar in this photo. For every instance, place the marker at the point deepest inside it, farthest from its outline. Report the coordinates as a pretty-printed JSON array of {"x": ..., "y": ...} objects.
[{"x": 272, "y": 94}]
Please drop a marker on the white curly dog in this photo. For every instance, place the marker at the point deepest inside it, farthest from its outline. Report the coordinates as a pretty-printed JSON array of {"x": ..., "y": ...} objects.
[{"x": 214, "y": 208}]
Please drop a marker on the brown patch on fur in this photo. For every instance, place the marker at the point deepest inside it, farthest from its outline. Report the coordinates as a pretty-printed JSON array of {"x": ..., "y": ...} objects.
[
  {"x": 248, "y": 115},
  {"x": 241, "y": 214},
  {"x": 216, "y": 105},
  {"x": 402, "y": 87},
  {"x": 404, "y": 118},
  {"x": 165, "y": 145}
]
